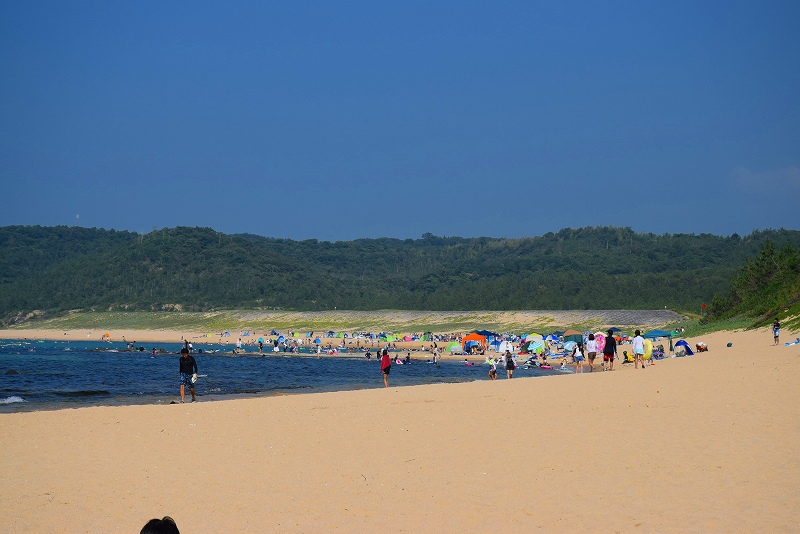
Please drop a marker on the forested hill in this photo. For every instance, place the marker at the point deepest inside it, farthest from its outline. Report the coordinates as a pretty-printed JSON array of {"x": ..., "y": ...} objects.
[{"x": 63, "y": 268}]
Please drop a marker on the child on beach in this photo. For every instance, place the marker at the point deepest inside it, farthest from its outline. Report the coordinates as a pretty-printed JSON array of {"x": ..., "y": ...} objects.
[
  {"x": 638, "y": 350},
  {"x": 493, "y": 368},
  {"x": 577, "y": 356}
]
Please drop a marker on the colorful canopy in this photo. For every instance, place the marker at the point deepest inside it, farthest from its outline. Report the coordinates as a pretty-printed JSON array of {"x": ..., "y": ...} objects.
[{"x": 481, "y": 340}]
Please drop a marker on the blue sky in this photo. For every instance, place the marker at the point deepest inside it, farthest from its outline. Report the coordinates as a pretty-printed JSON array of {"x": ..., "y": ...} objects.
[{"x": 340, "y": 120}]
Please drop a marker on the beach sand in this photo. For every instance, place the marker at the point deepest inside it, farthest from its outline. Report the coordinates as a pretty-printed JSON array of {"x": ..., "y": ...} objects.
[
  {"x": 140, "y": 336},
  {"x": 701, "y": 444}
]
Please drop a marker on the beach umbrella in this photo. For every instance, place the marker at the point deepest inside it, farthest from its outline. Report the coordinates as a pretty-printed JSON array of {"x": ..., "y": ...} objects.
[
  {"x": 551, "y": 337},
  {"x": 569, "y": 345}
]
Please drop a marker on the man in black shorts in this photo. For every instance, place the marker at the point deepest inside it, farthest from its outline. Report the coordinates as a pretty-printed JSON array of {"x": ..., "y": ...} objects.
[
  {"x": 188, "y": 372},
  {"x": 610, "y": 351}
]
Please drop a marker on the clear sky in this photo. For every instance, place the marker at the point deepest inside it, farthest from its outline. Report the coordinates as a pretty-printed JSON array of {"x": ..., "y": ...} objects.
[{"x": 339, "y": 120}]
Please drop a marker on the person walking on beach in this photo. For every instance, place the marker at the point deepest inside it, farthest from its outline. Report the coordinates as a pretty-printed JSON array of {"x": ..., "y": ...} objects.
[
  {"x": 509, "y": 365},
  {"x": 776, "y": 330},
  {"x": 188, "y": 369},
  {"x": 638, "y": 350},
  {"x": 386, "y": 367},
  {"x": 610, "y": 351},
  {"x": 577, "y": 356},
  {"x": 493, "y": 368},
  {"x": 591, "y": 351}
]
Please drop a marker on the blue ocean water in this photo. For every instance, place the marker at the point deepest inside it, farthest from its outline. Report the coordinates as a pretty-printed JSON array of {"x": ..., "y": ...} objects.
[{"x": 47, "y": 375}]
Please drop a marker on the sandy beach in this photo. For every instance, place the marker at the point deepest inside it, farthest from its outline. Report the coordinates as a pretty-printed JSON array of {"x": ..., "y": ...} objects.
[{"x": 702, "y": 444}]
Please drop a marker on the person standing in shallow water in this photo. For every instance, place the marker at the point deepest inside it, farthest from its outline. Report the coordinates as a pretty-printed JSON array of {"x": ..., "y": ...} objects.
[
  {"x": 509, "y": 365},
  {"x": 188, "y": 372},
  {"x": 386, "y": 367}
]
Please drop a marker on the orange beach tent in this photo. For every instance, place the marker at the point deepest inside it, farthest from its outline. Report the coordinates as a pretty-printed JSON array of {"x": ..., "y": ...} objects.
[{"x": 474, "y": 337}]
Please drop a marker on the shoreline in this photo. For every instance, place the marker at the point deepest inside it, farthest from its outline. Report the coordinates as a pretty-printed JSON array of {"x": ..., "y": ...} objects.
[{"x": 703, "y": 443}]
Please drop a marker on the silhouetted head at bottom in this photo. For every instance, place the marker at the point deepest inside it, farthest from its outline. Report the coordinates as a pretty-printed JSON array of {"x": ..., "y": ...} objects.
[{"x": 161, "y": 526}]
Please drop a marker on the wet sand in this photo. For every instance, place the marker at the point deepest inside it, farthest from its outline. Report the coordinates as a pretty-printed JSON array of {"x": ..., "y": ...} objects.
[{"x": 701, "y": 444}]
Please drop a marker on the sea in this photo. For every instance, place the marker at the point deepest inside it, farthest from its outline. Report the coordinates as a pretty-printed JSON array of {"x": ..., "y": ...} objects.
[{"x": 53, "y": 375}]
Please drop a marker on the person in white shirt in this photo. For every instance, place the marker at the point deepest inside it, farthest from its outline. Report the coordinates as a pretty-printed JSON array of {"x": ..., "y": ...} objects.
[
  {"x": 638, "y": 350},
  {"x": 591, "y": 351},
  {"x": 577, "y": 356}
]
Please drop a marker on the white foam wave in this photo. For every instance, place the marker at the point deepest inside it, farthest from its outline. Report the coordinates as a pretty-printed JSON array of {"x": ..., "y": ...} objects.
[{"x": 11, "y": 400}]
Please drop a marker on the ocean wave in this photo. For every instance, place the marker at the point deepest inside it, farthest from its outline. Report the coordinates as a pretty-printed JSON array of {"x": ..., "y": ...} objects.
[{"x": 11, "y": 400}]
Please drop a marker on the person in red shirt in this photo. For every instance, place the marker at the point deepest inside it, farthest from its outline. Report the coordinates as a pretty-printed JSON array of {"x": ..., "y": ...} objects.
[{"x": 386, "y": 367}]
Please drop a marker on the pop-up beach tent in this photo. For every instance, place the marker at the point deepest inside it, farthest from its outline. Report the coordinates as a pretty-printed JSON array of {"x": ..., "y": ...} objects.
[
  {"x": 573, "y": 335},
  {"x": 481, "y": 340},
  {"x": 455, "y": 346},
  {"x": 685, "y": 346}
]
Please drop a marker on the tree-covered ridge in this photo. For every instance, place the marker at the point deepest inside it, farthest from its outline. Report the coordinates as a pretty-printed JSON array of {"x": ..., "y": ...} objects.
[
  {"x": 64, "y": 268},
  {"x": 765, "y": 287}
]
